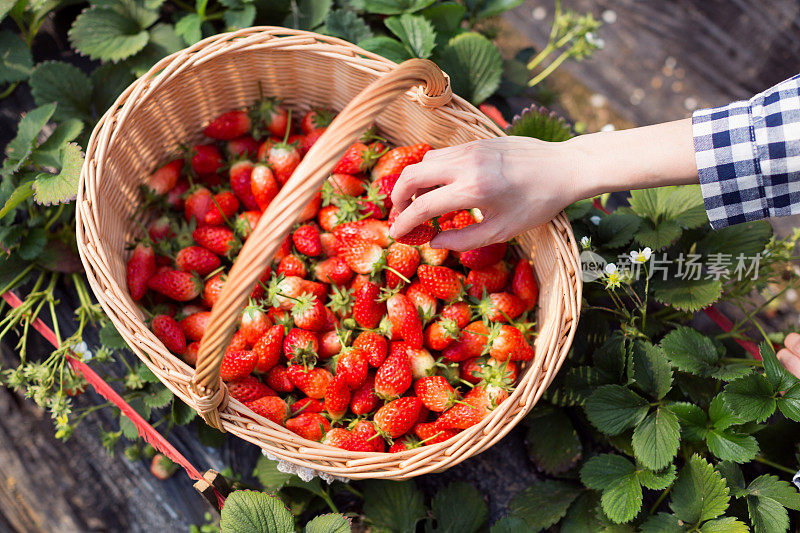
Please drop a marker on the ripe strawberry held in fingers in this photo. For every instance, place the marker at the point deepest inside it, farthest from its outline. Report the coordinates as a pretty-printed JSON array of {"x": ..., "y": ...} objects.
[
  {"x": 228, "y": 125},
  {"x": 420, "y": 234}
]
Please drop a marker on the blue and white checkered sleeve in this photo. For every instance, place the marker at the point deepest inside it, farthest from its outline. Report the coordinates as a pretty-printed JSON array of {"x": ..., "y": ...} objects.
[{"x": 748, "y": 156}]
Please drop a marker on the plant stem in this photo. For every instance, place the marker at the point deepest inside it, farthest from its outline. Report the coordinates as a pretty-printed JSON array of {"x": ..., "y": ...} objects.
[
  {"x": 10, "y": 285},
  {"x": 327, "y": 498},
  {"x": 660, "y": 499},
  {"x": 774, "y": 465},
  {"x": 9, "y": 90},
  {"x": 54, "y": 217},
  {"x": 549, "y": 70}
]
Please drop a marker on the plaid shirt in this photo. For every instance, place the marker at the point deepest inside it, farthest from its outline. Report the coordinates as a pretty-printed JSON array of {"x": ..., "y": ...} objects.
[{"x": 748, "y": 156}]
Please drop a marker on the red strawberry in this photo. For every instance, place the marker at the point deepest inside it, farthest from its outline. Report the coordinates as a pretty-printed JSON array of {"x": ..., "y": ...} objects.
[
  {"x": 484, "y": 256},
  {"x": 433, "y": 256},
  {"x": 238, "y": 342},
  {"x": 336, "y": 437},
  {"x": 225, "y": 205},
  {"x": 236, "y": 365},
  {"x": 284, "y": 249},
  {"x": 423, "y": 301},
  {"x": 278, "y": 379},
  {"x": 329, "y": 344},
  {"x": 374, "y": 346},
  {"x": 441, "y": 334},
  {"x": 524, "y": 285},
  {"x": 420, "y": 234},
  {"x": 352, "y": 366},
  {"x": 206, "y": 159},
  {"x": 311, "y": 138},
  {"x": 270, "y": 407},
  {"x": 248, "y": 389},
  {"x": 362, "y": 256},
  {"x": 311, "y": 426},
  {"x": 180, "y": 286},
  {"x": 368, "y": 310},
  {"x": 404, "y": 444},
  {"x": 162, "y": 467},
  {"x": 300, "y": 343},
  {"x": 197, "y": 259},
  {"x": 316, "y": 117},
  {"x": 337, "y": 397},
  {"x": 358, "y": 158},
  {"x": 291, "y": 265},
  {"x": 402, "y": 259},
  {"x": 370, "y": 230},
  {"x": 194, "y": 325},
  {"x": 508, "y": 342},
  {"x": 441, "y": 282},
  {"x": 435, "y": 393},
  {"x": 244, "y": 146},
  {"x": 164, "y": 179},
  {"x": 190, "y": 355},
  {"x": 270, "y": 114},
  {"x": 312, "y": 382},
  {"x": 490, "y": 279},
  {"x": 175, "y": 195},
  {"x": 160, "y": 229},
  {"x": 306, "y": 240},
  {"x": 333, "y": 270},
  {"x": 471, "y": 370},
  {"x": 477, "y": 405},
  {"x": 346, "y": 184},
  {"x": 397, "y": 417},
  {"x": 370, "y": 209},
  {"x": 461, "y": 220},
  {"x": 268, "y": 349},
  {"x": 367, "y": 431},
  {"x": 254, "y": 322},
  {"x": 241, "y": 177},
  {"x": 197, "y": 205},
  {"x": 311, "y": 209},
  {"x": 169, "y": 332},
  {"x": 245, "y": 223},
  {"x": 328, "y": 217},
  {"x": 283, "y": 158},
  {"x": 263, "y": 186},
  {"x": 501, "y": 307},
  {"x": 364, "y": 400},
  {"x": 385, "y": 187},
  {"x": 307, "y": 405},
  {"x": 218, "y": 239},
  {"x": 472, "y": 343},
  {"x": 405, "y": 319},
  {"x": 394, "y": 161},
  {"x": 422, "y": 362},
  {"x": 394, "y": 375},
  {"x": 284, "y": 292},
  {"x": 228, "y": 125},
  {"x": 139, "y": 269},
  {"x": 430, "y": 434},
  {"x": 309, "y": 313},
  {"x": 213, "y": 289}
]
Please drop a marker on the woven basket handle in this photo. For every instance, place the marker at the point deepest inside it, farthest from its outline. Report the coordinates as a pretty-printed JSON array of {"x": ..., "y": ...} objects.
[{"x": 209, "y": 394}]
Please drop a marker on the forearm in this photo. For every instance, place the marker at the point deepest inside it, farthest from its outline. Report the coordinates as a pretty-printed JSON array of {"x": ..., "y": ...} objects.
[{"x": 638, "y": 158}]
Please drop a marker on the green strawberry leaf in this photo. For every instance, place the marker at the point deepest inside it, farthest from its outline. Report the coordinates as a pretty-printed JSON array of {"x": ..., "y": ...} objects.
[
  {"x": 688, "y": 294},
  {"x": 731, "y": 445},
  {"x": 617, "y": 230},
  {"x": 747, "y": 239},
  {"x": 458, "y": 508},
  {"x": 248, "y": 511},
  {"x": 395, "y": 7},
  {"x": 474, "y": 64},
  {"x": 699, "y": 493},
  {"x": 240, "y": 18},
  {"x": 602, "y": 471},
  {"x": 111, "y": 31},
  {"x": 108, "y": 81},
  {"x": 163, "y": 41},
  {"x": 310, "y": 14},
  {"x": 662, "y": 523},
  {"x": 544, "y": 503},
  {"x": 391, "y": 49},
  {"x": 20, "y": 194},
  {"x": 789, "y": 403},
  {"x": 396, "y": 505},
  {"x": 509, "y": 524},
  {"x": 110, "y": 337},
  {"x": 779, "y": 378},
  {"x": 656, "y": 439},
  {"x": 658, "y": 235},
  {"x": 622, "y": 501},
  {"x": 48, "y": 153},
  {"x": 189, "y": 27},
  {"x": 750, "y": 398},
  {"x": 727, "y": 524},
  {"x": 329, "y": 523},
  {"x": 161, "y": 398},
  {"x": 269, "y": 476},
  {"x": 415, "y": 32},
  {"x": 446, "y": 18},
  {"x": 56, "y": 81},
  {"x": 58, "y": 188},
  {"x": 491, "y": 8},
  {"x": 33, "y": 244},
  {"x": 657, "y": 480},
  {"x": 345, "y": 24},
  {"x": 693, "y": 420},
  {"x": 767, "y": 499},
  {"x": 720, "y": 416},
  {"x": 613, "y": 409},
  {"x": 181, "y": 413},
  {"x": 16, "y": 61},
  {"x": 21, "y": 146},
  {"x": 651, "y": 370},
  {"x": 556, "y": 450},
  {"x": 690, "y": 351}
]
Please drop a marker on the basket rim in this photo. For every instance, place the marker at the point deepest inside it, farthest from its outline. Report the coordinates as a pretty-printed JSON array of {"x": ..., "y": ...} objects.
[{"x": 238, "y": 419}]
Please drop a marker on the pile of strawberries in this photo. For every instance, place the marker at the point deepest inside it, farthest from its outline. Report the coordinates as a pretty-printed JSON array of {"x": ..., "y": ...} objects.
[{"x": 352, "y": 338}]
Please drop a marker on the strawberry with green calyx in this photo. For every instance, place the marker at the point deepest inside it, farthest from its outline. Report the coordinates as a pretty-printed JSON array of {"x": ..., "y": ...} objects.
[
  {"x": 473, "y": 343},
  {"x": 397, "y": 417},
  {"x": 254, "y": 322},
  {"x": 282, "y": 157},
  {"x": 292, "y": 265},
  {"x": 363, "y": 257},
  {"x": 337, "y": 397},
  {"x": 359, "y": 158},
  {"x": 248, "y": 389},
  {"x": 328, "y": 217},
  {"x": 197, "y": 204},
  {"x": 341, "y": 301},
  {"x": 245, "y": 223},
  {"x": 404, "y": 444},
  {"x": 441, "y": 334},
  {"x": 487, "y": 280},
  {"x": 175, "y": 284},
  {"x": 301, "y": 346},
  {"x": 197, "y": 259},
  {"x": 341, "y": 184},
  {"x": 268, "y": 116},
  {"x": 402, "y": 260},
  {"x": 500, "y": 307},
  {"x": 441, "y": 282},
  {"x": 213, "y": 288},
  {"x": 309, "y": 313},
  {"x": 139, "y": 269},
  {"x": 476, "y": 405},
  {"x": 316, "y": 117},
  {"x": 374, "y": 345},
  {"x": 229, "y": 125},
  {"x": 169, "y": 332},
  {"x": 373, "y": 203},
  {"x": 272, "y": 408},
  {"x": 368, "y": 432},
  {"x": 307, "y": 241},
  {"x": 237, "y": 365},
  {"x": 311, "y": 426},
  {"x": 435, "y": 393},
  {"x": 194, "y": 325},
  {"x": 313, "y": 382},
  {"x": 507, "y": 342},
  {"x": 333, "y": 270},
  {"x": 219, "y": 239},
  {"x": 423, "y": 301},
  {"x": 162, "y": 467},
  {"x": 394, "y": 377}
]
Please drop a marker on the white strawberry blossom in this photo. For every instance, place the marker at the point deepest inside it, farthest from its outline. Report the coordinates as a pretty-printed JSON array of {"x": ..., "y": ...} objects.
[
  {"x": 613, "y": 276},
  {"x": 641, "y": 256},
  {"x": 586, "y": 242},
  {"x": 595, "y": 220}
]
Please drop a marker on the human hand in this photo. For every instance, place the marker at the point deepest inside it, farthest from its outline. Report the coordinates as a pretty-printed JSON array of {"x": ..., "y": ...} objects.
[
  {"x": 516, "y": 182},
  {"x": 789, "y": 356}
]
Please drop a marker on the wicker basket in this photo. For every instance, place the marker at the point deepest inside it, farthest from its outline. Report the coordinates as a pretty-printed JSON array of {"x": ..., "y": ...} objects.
[{"x": 409, "y": 103}]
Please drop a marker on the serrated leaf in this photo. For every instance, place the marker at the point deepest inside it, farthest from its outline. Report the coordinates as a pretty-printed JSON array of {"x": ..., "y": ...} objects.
[
  {"x": 556, "y": 450},
  {"x": 602, "y": 471},
  {"x": 415, "y": 32},
  {"x": 345, "y": 24},
  {"x": 750, "y": 398},
  {"x": 585, "y": 515},
  {"x": 699, "y": 493},
  {"x": 693, "y": 420},
  {"x": 688, "y": 295},
  {"x": 690, "y": 351},
  {"x": 161, "y": 398},
  {"x": 734, "y": 479},
  {"x": 146, "y": 374},
  {"x": 575, "y": 211},
  {"x": 509, "y": 524},
  {"x": 108, "y": 33},
  {"x": 656, "y": 439},
  {"x": 189, "y": 27},
  {"x": 20, "y": 194},
  {"x": 789, "y": 403},
  {"x": 108, "y": 82},
  {"x": 240, "y": 18},
  {"x": 396, "y": 505},
  {"x": 21, "y": 146},
  {"x": 767, "y": 515},
  {"x": 539, "y": 123},
  {"x": 720, "y": 416},
  {"x": 56, "y": 81},
  {"x": 730, "y": 445},
  {"x": 446, "y": 18},
  {"x": 580, "y": 383},
  {"x": 248, "y": 511},
  {"x": 544, "y": 503},
  {"x": 16, "y": 61},
  {"x": 658, "y": 235},
  {"x": 310, "y": 14},
  {"x": 163, "y": 41},
  {"x": 474, "y": 64},
  {"x": 395, "y": 7},
  {"x": 182, "y": 414},
  {"x": 391, "y": 49},
  {"x": 110, "y": 338},
  {"x": 33, "y": 244},
  {"x": 662, "y": 523},
  {"x": 747, "y": 239},
  {"x": 128, "y": 428},
  {"x": 328, "y": 523},
  {"x": 779, "y": 378},
  {"x": 727, "y": 524},
  {"x": 49, "y": 189},
  {"x": 769, "y": 486},
  {"x": 49, "y": 152},
  {"x": 686, "y": 207},
  {"x": 458, "y": 508},
  {"x": 657, "y": 480},
  {"x": 622, "y": 501},
  {"x": 491, "y": 8},
  {"x": 651, "y": 370},
  {"x": 269, "y": 476},
  {"x": 618, "y": 229},
  {"x": 613, "y": 409}
]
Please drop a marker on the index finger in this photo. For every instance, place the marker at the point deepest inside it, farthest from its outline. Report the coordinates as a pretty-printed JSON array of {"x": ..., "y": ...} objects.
[{"x": 415, "y": 178}]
